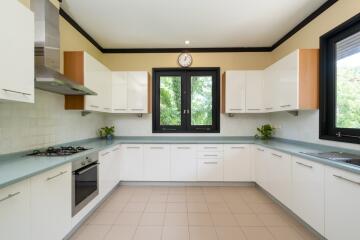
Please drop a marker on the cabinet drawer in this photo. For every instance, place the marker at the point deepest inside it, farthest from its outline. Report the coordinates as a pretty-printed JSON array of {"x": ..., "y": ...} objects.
[
  {"x": 210, "y": 147},
  {"x": 210, "y": 170},
  {"x": 207, "y": 155}
]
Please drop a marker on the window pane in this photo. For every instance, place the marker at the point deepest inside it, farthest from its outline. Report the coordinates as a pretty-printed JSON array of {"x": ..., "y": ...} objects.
[
  {"x": 201, "y": 100},
  {"x": 170, "y": 101},
  {"x": 348, "y": 82}
]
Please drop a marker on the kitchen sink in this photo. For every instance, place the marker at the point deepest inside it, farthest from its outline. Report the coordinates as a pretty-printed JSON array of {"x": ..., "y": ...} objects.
[{"x": 337, "y": 156}]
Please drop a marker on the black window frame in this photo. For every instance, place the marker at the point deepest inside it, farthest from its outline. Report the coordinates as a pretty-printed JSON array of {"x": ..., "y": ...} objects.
[
  {"x": 327, "y": 115},
  {"x": 186, "y": 126}
]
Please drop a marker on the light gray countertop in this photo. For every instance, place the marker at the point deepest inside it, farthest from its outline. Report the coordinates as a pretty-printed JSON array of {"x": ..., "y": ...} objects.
[{"x": 18, "y": 166}]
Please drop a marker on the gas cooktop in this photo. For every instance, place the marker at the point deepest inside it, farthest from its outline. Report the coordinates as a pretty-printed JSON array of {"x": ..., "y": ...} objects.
[{"x": 58, "y": 151}]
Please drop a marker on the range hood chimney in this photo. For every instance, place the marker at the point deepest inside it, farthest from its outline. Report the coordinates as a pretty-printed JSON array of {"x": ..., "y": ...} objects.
[{"x": 47, "y": 52}]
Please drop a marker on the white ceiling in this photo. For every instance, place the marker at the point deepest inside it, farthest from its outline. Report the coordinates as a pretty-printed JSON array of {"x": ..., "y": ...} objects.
[{"x": 206, "y": 23}]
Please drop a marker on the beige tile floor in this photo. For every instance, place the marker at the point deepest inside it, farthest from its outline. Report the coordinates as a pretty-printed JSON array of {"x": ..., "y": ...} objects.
[{"x": 190, "y": 213}]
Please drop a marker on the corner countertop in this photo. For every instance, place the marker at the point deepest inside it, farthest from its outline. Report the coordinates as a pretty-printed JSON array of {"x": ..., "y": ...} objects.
[{"x": 16, "y": 167}]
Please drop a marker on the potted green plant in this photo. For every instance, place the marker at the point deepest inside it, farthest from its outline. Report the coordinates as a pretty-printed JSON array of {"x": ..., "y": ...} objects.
[
  {"x": 265, "y": 132},
  {"x": 107, "y": 132}
]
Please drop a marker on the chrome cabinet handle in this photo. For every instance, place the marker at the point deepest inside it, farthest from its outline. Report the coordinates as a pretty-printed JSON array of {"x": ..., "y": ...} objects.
[
  {"x": 61, "y": 173},
  {"x": 210, "y": 155},
  {"x": 183, "y": 147},
  {"x": 23, "y": 93},
  {"x": 277, "y": 155},
  {"x": 304, "y": 165},
  {"x": 210, "y": 162},
  {"x": 133, "y": 147},
  {"x": 237, "y": 147},
  {"x": 94, "y": 106},
  {"x": 11, "y": 195},
  {"x": 156, "y": 147},
  {"x": 253, "y": 109},
  {"x": 234, "y": 109},
  {"x": 107, "y": 108},
  {"x": 261, "y": 150},
  {"x": 116, "y": 149},
  {"x": 137, "y": 109},
  {"x": 119, "y": 109},
  {"x": 345, "y": 179},
  {"x": 210, "y": 147},
  {"x": 288, "y": 105},
  {"x": 104, "y": 154},
  {"x": 269, "y": 108}
]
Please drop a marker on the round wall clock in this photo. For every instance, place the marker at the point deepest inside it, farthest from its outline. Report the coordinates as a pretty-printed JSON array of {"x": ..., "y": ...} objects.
[{"x": 185, "y": 59}]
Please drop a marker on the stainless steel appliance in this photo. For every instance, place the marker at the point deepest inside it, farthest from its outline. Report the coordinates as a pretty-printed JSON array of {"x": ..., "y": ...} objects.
[
  {"x": 85, "y": 181},
  {"x": 348, "y": 158},
  {"x": 47, "y": 52}
]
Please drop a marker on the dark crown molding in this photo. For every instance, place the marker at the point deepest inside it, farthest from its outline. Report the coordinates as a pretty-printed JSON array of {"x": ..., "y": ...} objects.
[{"x": 297, "y": 28}]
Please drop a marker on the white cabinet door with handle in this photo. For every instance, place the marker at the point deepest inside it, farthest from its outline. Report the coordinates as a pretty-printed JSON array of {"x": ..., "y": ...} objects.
[
  {"x": 183, "y": 162},
  {"x": 17, "y": 52},
  {"x": 137, "y": 92},
  {"x": 157, "y": 162},
  {"x": 237, "y": 164},
  {"x": 51, "y": 204},
  {"x": 235, "y": 87},
  {"x": 308, "y": 192},
  {"x": 132, "y": 164},
  {"x": 15, "y": 211},
  {"x": 254, "y": 91},
  {"x": 119, "y": 92},
  {"x": 106, "y": 169},
  {"x": 342, "y": 209}
]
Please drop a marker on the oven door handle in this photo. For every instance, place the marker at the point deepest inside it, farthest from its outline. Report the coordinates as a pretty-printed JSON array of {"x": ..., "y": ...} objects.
[{"x": 86, "y": 169}]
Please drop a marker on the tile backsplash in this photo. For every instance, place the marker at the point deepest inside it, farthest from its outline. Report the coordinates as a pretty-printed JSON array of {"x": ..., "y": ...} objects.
[{"x": 29, "y": 126}]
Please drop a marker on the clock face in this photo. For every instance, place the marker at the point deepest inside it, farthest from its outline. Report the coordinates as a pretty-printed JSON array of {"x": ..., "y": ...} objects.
[{"x": 185, "y": 59}]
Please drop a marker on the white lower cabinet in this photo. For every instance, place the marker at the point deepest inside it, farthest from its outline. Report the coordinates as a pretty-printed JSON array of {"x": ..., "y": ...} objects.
[
  {"x": 15, "y": 211},
  {"x": 105, "y": 172},
  {"x": 342, "y": 209},
  {"x": 51, "y": 204},
  {"x": 183, "y": 163},
  {"x": 279, "y": 170},
  {"x": 156, "y": 162},
  {"x": 260, "y": 168},
  {"x": 116, "y": 169},
  {"x": 308, "y": 192},
  {"x": 132, "y": 163},
  {"x": 237, "y": 164},
  {"x": 210, "y": 169}
]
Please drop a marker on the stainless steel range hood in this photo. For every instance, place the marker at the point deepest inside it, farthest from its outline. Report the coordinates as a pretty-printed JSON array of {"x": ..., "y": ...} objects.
[{"x": 47, "y": 52}]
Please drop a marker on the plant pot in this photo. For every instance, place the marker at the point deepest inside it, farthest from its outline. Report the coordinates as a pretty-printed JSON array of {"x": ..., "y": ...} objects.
[{"x": 109, "y": 137}]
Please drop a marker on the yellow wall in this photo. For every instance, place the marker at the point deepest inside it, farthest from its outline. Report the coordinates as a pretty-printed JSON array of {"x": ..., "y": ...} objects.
[
  {"x": 308, "y": 37},
  {"x": 226, "y": 61}
]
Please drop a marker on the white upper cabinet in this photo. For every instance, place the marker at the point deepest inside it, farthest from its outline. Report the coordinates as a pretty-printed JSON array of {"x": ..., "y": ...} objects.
[
  {"x": 51, "y": 204},
  {"x": 237, "y": 163},
  {"x": 269, "y": 95},
  {"x": 17, "y": 53},
  {"x": 234, "y": 84},
  {"x": 342, "y": 209},
  {"x": 130, "y": 92},
  {"x": 15, "y": 211},
  {"x": 308, "y": 192},
  {"x": 119, "y": 92},
  {"x": 97, "y": 77},
  {"x": 254, "y": 91}
]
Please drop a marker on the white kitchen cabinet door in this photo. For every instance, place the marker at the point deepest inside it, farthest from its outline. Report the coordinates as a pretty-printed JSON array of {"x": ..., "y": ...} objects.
[
  {"x": 106, "y": 81},
  {"x": 210, "y": 170},
  {"x": 96, "y": 78},
  {"x": 17, "y": 52},
  {"x": 119, "y": 92},
  {"x": 15, "y": 211},
  {"x": 254, "y": 91},
  {"x": 279, "y": 169},
  {"x": 51, "y": 204},
  {"x": 261, "y": 171},
  {"x": 157, "y": 162},
  {"x": 342, "y": 209},
  {"x": 308, "y": 192},
  {"x": 137, "y": 92},
  {"x": 183, "y": 163},
  {"x": 132, "y": 163},
  {"x": 237, "y": 164},
  {"x": 235, "y": 91},
  {"x": 116, "y": 159},
  {"x": 106, "y": 169},
  {"x": 288, "y": 82},
  {"x": 269, "y": 89}
]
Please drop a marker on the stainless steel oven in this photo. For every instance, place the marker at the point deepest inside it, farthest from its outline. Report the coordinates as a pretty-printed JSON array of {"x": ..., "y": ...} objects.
[{"x": 85, "y": 181}]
